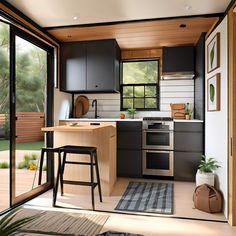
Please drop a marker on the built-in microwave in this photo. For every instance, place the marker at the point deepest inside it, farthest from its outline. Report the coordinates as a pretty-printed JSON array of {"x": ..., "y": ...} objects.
[{"x": 158, "y": 135}]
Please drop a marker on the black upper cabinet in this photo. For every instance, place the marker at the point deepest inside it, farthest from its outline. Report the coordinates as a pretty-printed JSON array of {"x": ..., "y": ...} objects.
[
  {"x": 178, "y": 59},
  {"x": 73, "y": 67},
  {"x": 91, "y": 66},
  {"x": 102, "y": 57}
]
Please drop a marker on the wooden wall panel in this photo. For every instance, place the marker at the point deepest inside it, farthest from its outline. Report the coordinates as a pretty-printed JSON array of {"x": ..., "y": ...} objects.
[
  {"x": 140, "y": 35},
  {"x": 232, "y": 118}
]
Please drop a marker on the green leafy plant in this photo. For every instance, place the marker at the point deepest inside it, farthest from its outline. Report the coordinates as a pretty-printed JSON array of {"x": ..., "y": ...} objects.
[
  {"x": 212, "y": 54},
  {"x": 188, "y": 110},
  {"x": 4, "y": 165},
  {"x": 212, "y": 92},
  {"x": 28, "y": 162},
  {"x": 6, "y": 127},
  {"x": 132, "y": 112},
  {"x": 8, "y": 227},
  {"x": 208, "y": 165}
]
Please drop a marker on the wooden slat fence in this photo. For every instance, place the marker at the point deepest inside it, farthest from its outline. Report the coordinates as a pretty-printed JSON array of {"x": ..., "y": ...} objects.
[
  {"x": 2, "y": 119},
  {"x": 28, "y": 126}
]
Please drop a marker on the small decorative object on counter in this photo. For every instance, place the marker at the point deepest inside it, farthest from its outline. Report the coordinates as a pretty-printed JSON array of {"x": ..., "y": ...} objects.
[
  {"x": 205, "y": 173},
  {"x": 188, "y": 112},
  {"x": 178, "y": 111},
  {"x": 132, "y": 112},
  {"x": 122, "y": 116}
]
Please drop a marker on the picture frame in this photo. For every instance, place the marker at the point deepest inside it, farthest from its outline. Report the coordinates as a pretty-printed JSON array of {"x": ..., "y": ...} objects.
[
  {"x": 213, "y": 93},
  {"x": 213, "y": 53}
]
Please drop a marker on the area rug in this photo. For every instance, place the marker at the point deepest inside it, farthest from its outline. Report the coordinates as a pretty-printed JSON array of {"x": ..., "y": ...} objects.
[
  {"x": 63, "y": 223},
  {"x": 147, "y": 197}
]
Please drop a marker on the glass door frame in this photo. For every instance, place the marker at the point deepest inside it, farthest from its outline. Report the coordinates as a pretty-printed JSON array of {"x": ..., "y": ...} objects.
[{"x": 14, "y": 31}]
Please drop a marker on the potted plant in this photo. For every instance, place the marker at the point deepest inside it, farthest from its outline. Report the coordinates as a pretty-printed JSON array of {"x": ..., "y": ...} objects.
[
  {"x": 188, "y": 112},
  {"x": 9, "y": 226},
  {"x": 205, "y": 173},
  {"x": 132, "y": 112}
]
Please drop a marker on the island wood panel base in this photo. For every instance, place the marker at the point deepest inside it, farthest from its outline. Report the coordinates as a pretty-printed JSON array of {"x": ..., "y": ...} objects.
[{"x": 105, "y": 141}]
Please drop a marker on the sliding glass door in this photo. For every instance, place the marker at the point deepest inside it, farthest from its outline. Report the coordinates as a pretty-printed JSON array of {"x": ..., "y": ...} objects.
[
  {"x": 26, "y": 103},
  {"x": 31, "y": 65},
  {"x": 30, "y": 107},
  {"x": 4, "y": 116}
]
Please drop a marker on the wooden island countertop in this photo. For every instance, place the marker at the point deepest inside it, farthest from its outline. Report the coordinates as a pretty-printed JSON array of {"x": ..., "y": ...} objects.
[
  {"x": 76, "y": 128},
  {"x": 103, "y": 137}
]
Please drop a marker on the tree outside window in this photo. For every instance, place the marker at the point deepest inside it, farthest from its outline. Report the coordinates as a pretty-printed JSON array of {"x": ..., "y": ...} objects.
[{"x": 140, "y": 85}]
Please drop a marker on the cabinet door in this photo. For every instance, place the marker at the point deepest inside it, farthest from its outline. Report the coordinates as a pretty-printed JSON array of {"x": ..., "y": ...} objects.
[
  {"x": 100, "y": 65},
  {"x": 178, "y": 59},
  {"x": 135, "y": 126},
  {"x": 129, "y": 163},
  {"x": 188, "y": 141},
  {"x": 129, "y": 140},
  {"x": 186, "y": 165},
  {"x": 73, "y": 67}
]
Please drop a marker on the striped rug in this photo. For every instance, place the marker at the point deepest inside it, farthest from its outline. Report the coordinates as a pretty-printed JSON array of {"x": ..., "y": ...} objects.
[
  {"x": 147, "y": 197},
  {"x": 63, "y": 223}
]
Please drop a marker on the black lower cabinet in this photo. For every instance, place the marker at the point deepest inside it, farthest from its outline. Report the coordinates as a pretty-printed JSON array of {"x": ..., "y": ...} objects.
[
  {"x": 129, "y": 163},
  {"x": 188, "y": 145},
  {"x": 129, "y": 149},
  {"x": 186, "y": 165}
]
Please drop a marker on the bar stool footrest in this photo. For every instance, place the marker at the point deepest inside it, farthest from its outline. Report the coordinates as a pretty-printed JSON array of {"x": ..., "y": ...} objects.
[
  {"x": 79, "y": 163},
  {"x": 80, "y": 183}
]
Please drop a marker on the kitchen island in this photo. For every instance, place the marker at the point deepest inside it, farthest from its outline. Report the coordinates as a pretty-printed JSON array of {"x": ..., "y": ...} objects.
[{"x": 101, "y": 136}]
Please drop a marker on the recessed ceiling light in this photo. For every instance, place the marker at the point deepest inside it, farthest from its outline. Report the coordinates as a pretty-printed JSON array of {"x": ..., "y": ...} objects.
[
  {"x": 188, "y": 7},
  {"x": 75, "y": 17},
  {"x": 182, "y": 26}
]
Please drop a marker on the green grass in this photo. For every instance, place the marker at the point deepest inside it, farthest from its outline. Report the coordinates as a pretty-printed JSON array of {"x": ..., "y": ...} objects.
[{"x": 4, "y": 145}]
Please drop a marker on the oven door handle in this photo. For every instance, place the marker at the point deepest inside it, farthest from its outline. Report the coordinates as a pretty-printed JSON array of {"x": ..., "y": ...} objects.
[
  {"x": 155, "y": 151},
  {"x": 158, "y": 131}
]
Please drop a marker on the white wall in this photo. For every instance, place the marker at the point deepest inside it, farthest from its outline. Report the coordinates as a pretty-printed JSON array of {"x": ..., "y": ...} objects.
[
  {"x": 216, "y": 123},
  {"x": 171, "y": 91},
  {"x": 62, "y": 105}
]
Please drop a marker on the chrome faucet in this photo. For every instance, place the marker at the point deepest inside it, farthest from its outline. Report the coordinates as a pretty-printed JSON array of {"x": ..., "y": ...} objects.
[{"x": 95, "y": 103}]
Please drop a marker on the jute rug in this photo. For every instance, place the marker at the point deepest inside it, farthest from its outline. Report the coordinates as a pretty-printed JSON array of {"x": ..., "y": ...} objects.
[
  {"x": 147, "y": 197},
  {"x": 62, "y": 223}
]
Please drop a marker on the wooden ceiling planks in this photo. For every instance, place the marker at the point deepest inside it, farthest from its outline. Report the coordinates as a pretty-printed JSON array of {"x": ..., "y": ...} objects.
[{"x": 140, "y": 35}]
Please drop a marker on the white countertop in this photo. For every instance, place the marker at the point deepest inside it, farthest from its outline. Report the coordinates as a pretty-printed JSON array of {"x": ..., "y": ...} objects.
[
  {"x": 116, "y": 119},
  {"x": 200, "y": 121}
]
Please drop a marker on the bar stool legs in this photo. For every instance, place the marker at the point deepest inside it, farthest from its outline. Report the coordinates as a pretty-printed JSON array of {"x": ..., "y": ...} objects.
[
  {"x": 92, "y": 180},
  {"x": 98, "y": 176},
  {"x": 41, "y": 167},
  {"x": 55, "y": 188},
  {"x": 93, "y": 162}
]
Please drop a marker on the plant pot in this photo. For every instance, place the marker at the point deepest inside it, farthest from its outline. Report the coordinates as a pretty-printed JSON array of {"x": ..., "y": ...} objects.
[
  {"x": 205, "y": 178},
  {"x": 187, "y": 117}
]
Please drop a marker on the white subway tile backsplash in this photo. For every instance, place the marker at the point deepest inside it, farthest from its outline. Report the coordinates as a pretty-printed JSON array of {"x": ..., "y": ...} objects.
[{"x": 171, "y": 91}]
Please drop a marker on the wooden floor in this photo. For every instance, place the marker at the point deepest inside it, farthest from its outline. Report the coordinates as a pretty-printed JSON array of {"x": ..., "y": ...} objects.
[
  {"x": 24, "y": 184},
  {"x": 183, "y": 204}
]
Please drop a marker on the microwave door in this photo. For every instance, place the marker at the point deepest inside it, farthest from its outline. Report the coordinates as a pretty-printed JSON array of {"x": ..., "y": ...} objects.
[{"x": 158, "y": 139}]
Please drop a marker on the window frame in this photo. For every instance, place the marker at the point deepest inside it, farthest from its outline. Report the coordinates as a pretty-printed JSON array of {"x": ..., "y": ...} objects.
[{"x": 122, "y": 85}]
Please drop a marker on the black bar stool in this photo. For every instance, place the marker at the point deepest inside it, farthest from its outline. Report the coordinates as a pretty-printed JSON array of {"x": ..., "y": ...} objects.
[
  {"x": 51, "y": 150},
  {"x": 92, "y": 151}
]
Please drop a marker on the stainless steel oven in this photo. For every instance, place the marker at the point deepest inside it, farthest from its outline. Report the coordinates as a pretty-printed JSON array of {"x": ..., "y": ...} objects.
[
  {"x": 157, "y": 162},
  {"x": 158, "y": 146},
  {"x": 158, "y": 135}
]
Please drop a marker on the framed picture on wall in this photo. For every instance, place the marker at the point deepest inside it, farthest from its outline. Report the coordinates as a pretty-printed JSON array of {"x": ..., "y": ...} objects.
[
  {"x": 213, "y": 53},
  {"x": 213, "y": 93}
]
